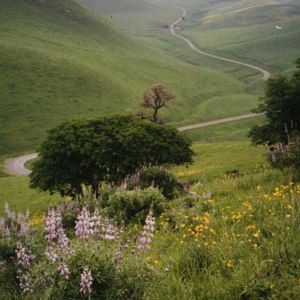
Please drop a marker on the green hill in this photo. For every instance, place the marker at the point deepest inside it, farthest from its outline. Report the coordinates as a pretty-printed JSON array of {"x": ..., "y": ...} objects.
[
  {"x": 62, "y": 62},
  {"x": 116, "y": 6},
  {"x": 261, "y": 32}
]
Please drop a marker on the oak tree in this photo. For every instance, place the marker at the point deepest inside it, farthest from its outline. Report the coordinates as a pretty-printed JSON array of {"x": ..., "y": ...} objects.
[
  {"x": 157, "y": 98},
  {"x": 89, "y": 152}
]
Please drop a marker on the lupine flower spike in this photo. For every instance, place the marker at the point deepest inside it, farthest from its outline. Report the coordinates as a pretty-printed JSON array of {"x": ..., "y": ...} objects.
[
  {"x": 86, "y": 281},
  {"x": 147, "y": 234},
  {"x": 84, "y": 226}
]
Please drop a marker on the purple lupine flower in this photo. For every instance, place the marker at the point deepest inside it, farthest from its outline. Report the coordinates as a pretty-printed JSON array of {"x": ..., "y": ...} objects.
[
  {"x": 51, "y": 226},
  {"x": 24, "y": 256},
  {"x": 23, "y": 282},
  {"x": 23, "y": 222},
  {"x": 58, "y": 218},
  {"x": 63, "y": 270},
  {"x": 86, "y": 281},
  {"x": 109, "y": 230},
  {"x": 24, "y": 227},
  {"x": 96, "y": 220},
  {"x": 147, "y": 234},
  {"x": 55, "y": 234},
  {"x": 63, "y": 242},
  {"x": 51, "y": 254},
  {"x": 24, "y": 261},
  {"x": 83, "y": 227}
]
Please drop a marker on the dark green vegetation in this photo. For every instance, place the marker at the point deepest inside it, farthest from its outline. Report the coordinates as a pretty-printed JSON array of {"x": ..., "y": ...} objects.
[
  {"x": 89, "y": 152},
  {"x": 282, "y": 107}
]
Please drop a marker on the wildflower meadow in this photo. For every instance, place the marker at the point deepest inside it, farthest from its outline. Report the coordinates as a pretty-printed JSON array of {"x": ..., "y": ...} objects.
[{"x": 243, "y": 244}]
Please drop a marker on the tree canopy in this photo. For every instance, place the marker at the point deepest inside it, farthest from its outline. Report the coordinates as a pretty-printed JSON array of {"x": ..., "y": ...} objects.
[
  {"x": 88, "y": 152},
  {"x": 157, "y": 98},
  {"x": 281, "y": 105}
]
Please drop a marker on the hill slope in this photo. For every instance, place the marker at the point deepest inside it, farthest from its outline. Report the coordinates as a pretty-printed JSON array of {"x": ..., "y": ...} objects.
[
  {"x": 263, "y": 32},
  {"x": 64, "y": 63}
]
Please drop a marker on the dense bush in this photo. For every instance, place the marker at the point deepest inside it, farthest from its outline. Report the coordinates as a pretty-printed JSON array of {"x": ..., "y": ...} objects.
[
  {"x": 128, "y": 283},
  {"x": 286, "y": 156},
  {"x": 133, "y": 206},
  {"x": 160, "y": 178},
  {"x": 157, "y": 177},
  {"x": 281, "y": 107},
  {"x": 100, "y": 261},
  {"x": 90, "y": 152}
]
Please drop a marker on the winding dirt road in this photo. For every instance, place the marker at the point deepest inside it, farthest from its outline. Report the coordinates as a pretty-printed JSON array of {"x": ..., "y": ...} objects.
[
  {"x": 266, "y": 75},
  {"x": 219, "y": 121},
  {"x": 16, "y": 166}
]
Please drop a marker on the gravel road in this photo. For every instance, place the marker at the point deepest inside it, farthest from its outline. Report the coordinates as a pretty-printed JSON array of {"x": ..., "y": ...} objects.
[
  {"x": 219, "y": 121},
  {"x": 16, "y": 166},
  {"x": 266, "y": 75}
]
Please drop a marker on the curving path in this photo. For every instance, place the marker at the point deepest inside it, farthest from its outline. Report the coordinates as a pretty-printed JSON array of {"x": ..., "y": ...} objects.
[
  {"x": 266, "y": 75},
  {"x": 16, "y": 166},
  {"x": 219, "y": 121}
]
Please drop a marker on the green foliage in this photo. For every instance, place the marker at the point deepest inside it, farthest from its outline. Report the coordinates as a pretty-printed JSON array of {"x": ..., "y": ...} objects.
[
  {"x": 286, "y": 156},
  {"x": 88, "y": 152},
  {"x": 133, "y": 206},
  {"x": 243, "y": 243},
  {"x": 160, "y": 178},
  {"x": 282, "y": 108},
  {"x": 131, "y": 282}
]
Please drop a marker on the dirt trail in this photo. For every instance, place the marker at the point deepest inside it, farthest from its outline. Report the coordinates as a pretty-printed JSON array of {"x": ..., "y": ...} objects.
[
  {"x": 265, "y": 73},
  {"x": 16, "y": 166},
  {"x": 219, "y": 121}
]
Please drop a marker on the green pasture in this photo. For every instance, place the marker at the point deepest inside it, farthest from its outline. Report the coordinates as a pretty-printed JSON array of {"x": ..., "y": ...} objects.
[
  {"x": 250, "y": 34},
  {"x": 227, "y": 132},
  {"x": 211, "y": 161},
  {"x": 64, "y": 63}
]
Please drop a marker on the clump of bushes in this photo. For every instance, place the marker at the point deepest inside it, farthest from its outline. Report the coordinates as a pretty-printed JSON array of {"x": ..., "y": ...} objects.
[
  {"x": 100, "y": 261},
  {"x": 286, "y": 156},
  {"x": 157, "y": 177},
  {"x": 133, "y": 206}
]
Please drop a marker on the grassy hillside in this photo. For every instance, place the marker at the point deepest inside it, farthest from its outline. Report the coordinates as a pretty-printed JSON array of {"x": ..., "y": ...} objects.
[
  {"x": 115, "y": 6},
  {"x": 238, "y": 239},
  {"x": 64, "y": 63},
  {"x": 247, "y": 30},
  {"x": 212, "y": 160}
]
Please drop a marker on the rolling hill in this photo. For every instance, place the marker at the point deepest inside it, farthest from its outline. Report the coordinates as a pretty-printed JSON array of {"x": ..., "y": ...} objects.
[
  {"x": 63, "y": 62},
  {"x": 261, "y": 32}
]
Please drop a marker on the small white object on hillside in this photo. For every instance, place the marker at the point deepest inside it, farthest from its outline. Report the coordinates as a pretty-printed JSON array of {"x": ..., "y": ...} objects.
[{"x": 278, "y": 27}]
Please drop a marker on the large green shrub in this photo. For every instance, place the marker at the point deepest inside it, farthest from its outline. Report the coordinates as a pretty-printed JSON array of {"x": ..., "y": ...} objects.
[
  {"x": 130, "y": 282},
  {"x": 90, "y": 152},
  {"x": 127, "y": 206},
  {"x": 160, "y": 178}
]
